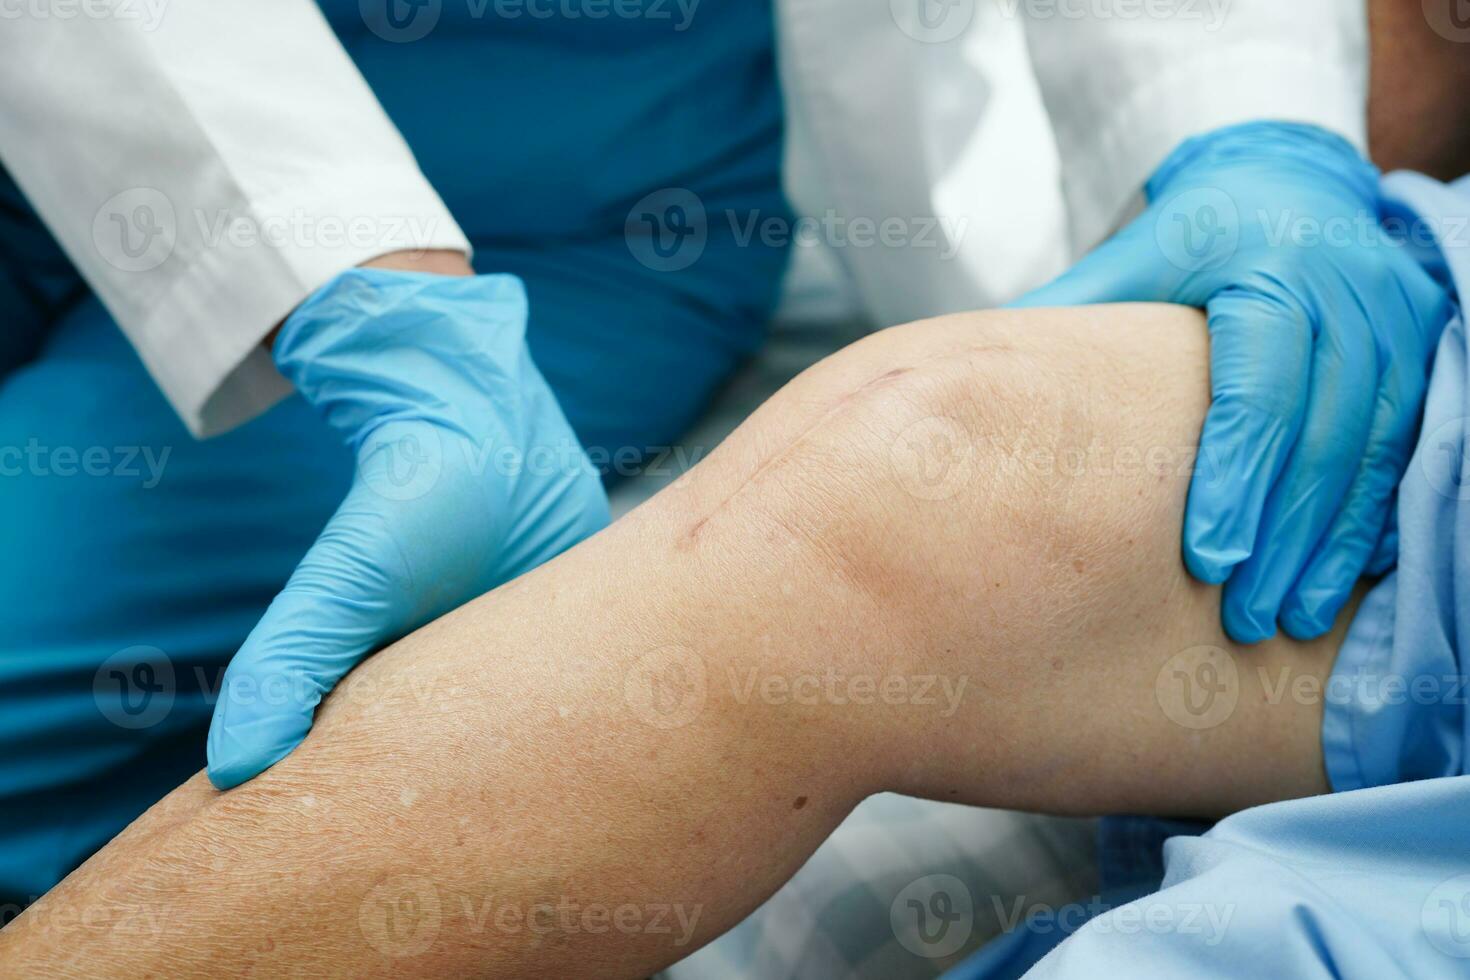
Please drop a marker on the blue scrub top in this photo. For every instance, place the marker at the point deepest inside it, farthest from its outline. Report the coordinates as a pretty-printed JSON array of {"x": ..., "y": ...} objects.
[
  {"x": 545, "y": 137},
  {"x": 553, "y": 127}
]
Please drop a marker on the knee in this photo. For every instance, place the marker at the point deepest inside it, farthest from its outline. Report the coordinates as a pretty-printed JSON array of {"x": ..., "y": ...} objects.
[{"x": 1038, "y": 460}]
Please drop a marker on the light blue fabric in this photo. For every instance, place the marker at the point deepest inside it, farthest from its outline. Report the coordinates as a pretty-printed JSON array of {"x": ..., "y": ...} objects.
[
  {"x": 1372, "y": 882},
  {"x": 125, "y": 591},
  {"x": 1368, "y": 885},
  {"x": 1396, "y": 705}
]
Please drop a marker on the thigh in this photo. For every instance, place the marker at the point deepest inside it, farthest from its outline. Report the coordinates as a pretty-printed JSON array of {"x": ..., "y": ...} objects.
[{"x": 136, "y": 560}]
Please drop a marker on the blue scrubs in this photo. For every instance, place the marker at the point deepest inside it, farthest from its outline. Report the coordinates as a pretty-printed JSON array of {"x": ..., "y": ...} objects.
[
  {"x": 136, "y": 559},
  {"x": 1373, "y": 881}
]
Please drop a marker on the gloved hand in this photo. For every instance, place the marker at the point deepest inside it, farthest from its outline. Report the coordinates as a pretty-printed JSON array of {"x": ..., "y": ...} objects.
[
  {"x": 1321, "y": 332},
  {"x": 467, "y": 475}
]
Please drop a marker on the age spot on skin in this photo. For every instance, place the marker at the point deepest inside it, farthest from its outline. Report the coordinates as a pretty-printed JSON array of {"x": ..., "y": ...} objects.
[{"x": 800, "y": 802}]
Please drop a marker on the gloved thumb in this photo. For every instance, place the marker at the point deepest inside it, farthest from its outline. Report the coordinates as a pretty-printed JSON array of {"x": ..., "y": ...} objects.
[
  {"x": 315, "y": 631},
  {"x": 1123, "y": 269}
]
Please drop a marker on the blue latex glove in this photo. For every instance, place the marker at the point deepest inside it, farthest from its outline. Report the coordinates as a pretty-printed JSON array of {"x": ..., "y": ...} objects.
[
  {"x": 1319, "y": 348},
  {"x": 467, "y": 475}
]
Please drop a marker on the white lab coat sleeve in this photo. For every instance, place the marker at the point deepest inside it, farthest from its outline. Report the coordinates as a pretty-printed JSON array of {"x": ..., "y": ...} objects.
[
  {"x": 206, "y": 164},
  {"x": 1125, "y": 82}
]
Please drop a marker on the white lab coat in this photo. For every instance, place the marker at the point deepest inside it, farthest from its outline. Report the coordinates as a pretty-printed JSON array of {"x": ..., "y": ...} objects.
[{"x": 207, "y": 164}]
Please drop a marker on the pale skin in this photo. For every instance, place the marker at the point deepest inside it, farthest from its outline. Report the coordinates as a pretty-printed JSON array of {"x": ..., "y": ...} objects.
[{"x": 597, "y": 768}]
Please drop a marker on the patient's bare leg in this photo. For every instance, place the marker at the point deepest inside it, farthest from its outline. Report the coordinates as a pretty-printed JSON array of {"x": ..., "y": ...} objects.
[{"x": 944, "y": 562}]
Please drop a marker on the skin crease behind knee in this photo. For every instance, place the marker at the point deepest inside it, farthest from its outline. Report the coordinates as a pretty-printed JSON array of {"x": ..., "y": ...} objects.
[{"x": 510, "y": 792}]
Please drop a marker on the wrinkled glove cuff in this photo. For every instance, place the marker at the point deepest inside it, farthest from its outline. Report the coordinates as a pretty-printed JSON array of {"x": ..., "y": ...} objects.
[
  {"x": 1299, "y": 147},
  {"x": 375, "y": 344}
]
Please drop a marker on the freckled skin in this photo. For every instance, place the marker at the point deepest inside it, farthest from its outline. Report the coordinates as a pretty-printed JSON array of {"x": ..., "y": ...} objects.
[{"x": 585, "y": 737}]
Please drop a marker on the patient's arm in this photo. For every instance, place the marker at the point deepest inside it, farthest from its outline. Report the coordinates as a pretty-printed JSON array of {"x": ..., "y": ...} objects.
[{"x": 594, "y": 769}]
